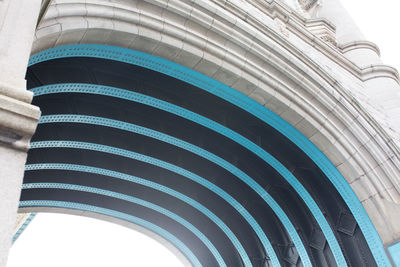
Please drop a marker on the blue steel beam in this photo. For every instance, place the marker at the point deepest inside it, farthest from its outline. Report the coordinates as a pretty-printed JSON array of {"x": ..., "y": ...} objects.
[
  {"x": 176, "y": 169},
  {"x": 23, "y": 226},
  {"x": 229, "y": 167},
  {"x": 140, "y": 202},
  {"x": 268, "y": 158},
  {"x": 225, "y": 92},
  {"x": 153, "y": 185}
]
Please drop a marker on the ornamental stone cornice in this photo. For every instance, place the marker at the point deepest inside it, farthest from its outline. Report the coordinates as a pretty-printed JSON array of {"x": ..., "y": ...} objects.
[
  {"x": 379, "y": 71},
  {"x": 308, "y": 4},
  {"x": 18, "y": 118},
  {"x": 326, "y": 43},
  {"x": 239, "y": 43},
  {"x": 359, "y": 44}
]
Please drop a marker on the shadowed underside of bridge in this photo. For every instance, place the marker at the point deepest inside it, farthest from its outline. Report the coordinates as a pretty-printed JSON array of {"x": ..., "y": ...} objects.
[{"x": 206, "y": 168}]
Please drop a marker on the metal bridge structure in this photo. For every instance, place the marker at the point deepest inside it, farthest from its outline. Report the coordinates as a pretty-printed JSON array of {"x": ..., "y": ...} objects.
[{"x": 236, "y": 133}]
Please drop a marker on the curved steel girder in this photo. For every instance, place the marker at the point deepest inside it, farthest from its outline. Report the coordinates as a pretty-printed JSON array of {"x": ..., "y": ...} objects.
[{"x": 212, "y": 86}]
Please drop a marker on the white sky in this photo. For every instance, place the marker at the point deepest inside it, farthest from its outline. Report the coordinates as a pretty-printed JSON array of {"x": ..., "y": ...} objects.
[
  {"x": 66, "y": 240},
  {"x": 58, "y": 240},
  {"x": 380, "y": 22}
]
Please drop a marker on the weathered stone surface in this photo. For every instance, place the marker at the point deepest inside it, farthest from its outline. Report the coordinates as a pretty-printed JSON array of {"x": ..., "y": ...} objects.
[
  {"x": 311, "y": 72},
  {"x": 312, "y": 84},
  {"x": 18, "y": 118}
]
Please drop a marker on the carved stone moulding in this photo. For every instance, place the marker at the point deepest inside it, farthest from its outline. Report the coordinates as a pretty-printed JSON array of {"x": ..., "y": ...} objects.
[
  {"x": 307, "y": 4},
  {"x": 262, "y": 64},
  {"x": 18, "y": 118}
]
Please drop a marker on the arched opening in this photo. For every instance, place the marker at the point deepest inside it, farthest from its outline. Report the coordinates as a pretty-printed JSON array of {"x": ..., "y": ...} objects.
[
  {"x": 124, "y": 133},
  {"x": 62, "y": 239}
]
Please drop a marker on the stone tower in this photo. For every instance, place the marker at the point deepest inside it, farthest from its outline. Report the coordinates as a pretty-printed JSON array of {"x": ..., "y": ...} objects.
[{"x": 237, "y": 133}]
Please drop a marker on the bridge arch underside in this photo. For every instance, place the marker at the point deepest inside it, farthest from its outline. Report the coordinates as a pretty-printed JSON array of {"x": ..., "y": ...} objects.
[{"x": 196, "y": 167}]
